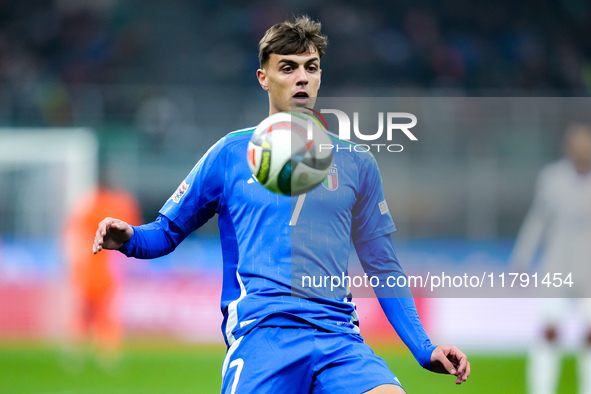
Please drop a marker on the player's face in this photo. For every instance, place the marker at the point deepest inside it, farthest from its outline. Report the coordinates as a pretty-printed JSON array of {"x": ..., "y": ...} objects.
[
  {"x": 291, "y": 80},
  {"x": 578, "y": 147}
]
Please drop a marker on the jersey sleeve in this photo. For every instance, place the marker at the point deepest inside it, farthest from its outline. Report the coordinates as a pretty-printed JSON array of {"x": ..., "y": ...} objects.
[
  {"x": 153, "y": 239},
  {"x": 378, "y": 258},
  {"x": 197, "y": 198},
  {"x": 371, "y": 216}
]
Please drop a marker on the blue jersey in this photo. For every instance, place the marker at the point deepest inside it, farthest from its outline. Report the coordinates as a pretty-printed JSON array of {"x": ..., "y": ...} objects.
[{"x": 265, "y": 235}]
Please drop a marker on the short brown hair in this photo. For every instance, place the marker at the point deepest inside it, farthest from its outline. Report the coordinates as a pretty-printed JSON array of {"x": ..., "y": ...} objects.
[{"x": 289, "y": 38}]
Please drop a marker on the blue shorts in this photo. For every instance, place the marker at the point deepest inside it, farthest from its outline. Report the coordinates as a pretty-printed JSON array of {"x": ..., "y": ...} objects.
[{"x": 302, "y": 360}]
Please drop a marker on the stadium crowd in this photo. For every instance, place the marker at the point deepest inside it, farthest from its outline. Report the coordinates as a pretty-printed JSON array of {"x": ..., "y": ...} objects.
[{"x": 49, "y": 47}]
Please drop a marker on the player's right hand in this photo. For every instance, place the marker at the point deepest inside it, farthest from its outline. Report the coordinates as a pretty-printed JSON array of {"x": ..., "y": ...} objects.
[{"x": 111, "y": 234}]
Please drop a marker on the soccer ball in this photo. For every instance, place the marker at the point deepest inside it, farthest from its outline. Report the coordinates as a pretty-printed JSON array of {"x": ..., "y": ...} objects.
[{"x": 290, "y": 153}]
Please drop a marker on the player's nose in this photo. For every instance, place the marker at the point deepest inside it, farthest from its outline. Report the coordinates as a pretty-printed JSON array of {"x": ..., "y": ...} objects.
[{"x": 302, "y": 76}]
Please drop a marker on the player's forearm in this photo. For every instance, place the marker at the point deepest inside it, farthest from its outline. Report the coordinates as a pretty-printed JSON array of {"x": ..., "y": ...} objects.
[
  {"x": 153, "y": 239},
  {"x": 402, "y": 314},
  {"x": 379, "y": 259}
]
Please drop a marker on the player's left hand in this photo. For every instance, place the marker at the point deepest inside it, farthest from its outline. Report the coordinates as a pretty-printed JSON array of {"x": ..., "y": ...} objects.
[{"x": 449, "y": 359}]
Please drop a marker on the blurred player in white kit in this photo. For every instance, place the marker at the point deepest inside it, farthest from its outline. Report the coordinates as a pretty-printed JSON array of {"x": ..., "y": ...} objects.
[{"x": 559, "y": 222}]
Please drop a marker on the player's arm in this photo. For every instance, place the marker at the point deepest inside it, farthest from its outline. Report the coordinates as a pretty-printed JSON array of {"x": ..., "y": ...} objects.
[
  {"x": 371, "y": 229},
  {"x": 147, "y": 241},
  {"x": 191, "y": 205},
  {"x": 378, "y": 258},
  {"x": 532, "y": 229}
]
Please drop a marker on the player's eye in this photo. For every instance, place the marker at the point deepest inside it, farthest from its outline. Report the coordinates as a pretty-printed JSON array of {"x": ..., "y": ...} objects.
[
  {"x": 312, "y": 68},
  {"x": 287, "y": 69}
]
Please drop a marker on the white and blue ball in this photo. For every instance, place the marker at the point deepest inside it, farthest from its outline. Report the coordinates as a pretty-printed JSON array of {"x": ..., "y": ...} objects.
[{"x": 290, "y": 153}]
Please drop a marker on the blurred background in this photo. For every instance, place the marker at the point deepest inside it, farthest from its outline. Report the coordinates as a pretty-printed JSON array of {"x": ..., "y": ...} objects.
[{"x": 137, "y": 91}]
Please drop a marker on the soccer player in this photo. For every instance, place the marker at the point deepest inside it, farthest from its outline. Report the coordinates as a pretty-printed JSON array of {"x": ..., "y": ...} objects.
[
  {"x": 278, "y": 342},
  {"x": 93, "y": 316},
  {"x": 560, "y": 220}
]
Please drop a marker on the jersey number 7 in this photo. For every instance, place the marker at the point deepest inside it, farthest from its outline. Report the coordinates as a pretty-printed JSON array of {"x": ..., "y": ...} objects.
[{"x": 298, "y": 208}]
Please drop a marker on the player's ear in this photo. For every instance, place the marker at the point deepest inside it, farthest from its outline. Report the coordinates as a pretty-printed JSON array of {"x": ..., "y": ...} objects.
[{"x": 262, "y": 77}]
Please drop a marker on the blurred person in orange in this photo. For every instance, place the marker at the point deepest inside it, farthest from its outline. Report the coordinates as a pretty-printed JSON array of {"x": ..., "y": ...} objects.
[
  {"x": 92, "y": 312},
  {"x": 559, "y": 223}
]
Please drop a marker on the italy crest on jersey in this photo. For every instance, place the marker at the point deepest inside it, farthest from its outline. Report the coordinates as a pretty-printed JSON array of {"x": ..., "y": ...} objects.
[{"x": 331, "y": 182}]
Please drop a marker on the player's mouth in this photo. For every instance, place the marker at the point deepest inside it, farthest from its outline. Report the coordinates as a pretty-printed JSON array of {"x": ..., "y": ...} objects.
[{"x": 301, "y": 97}]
